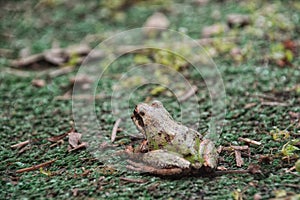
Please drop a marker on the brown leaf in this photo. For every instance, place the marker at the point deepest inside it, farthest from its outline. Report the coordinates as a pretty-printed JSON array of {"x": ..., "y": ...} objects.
[
  {"x": 155, "y": 24},
  {"x": 74, "y": 139},
  {"x": 38, "y": 82},
  {"x": 265, "y": 159},
  {"x": 158, "y": 20},
  {"x": 294, "y": 115},
  {"x": 254, "y": 169}
]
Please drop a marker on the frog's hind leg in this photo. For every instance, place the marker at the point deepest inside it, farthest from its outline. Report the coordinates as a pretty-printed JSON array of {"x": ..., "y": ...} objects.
[
  {"x": 140, "y": 167},
  {"x": 165, "y": 159},
  {"x": 160, "y": 162}
]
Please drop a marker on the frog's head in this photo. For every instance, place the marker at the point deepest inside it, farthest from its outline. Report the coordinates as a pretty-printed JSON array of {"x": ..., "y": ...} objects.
[{"x": 151, "y": 117}]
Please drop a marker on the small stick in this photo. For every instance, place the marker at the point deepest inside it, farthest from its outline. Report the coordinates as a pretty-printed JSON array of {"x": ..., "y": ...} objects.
[
  {"x": 20, "y": 145},
  {"x": 130, "y": 180},
  {"x": 28, "y": 60},
  {"x": 57, "y": 138},
  {"x": 36, "y": 166},
  {"x": 61, "y": 71},
  {"x": 264, "y": 96},
  {"x": 188, "y": 94},
  {"x": 232, "y": 148},
  {"x": 249, "y": 141},
  {"x": 238, "y": 158},
  {"x": 114, "y": 130},
  {"x": 292, "y": 185},
  {"x": 250, "y": 105},
  {"x": 82, "y": 145},
  {"x": 273, "y": 103}
]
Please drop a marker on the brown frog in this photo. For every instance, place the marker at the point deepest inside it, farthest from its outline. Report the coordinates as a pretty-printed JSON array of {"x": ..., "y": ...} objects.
[{"x": 172, "y": 147}]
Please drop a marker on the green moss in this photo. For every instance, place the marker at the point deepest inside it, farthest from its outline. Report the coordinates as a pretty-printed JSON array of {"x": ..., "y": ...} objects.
[{"x": 33, "y": 113}]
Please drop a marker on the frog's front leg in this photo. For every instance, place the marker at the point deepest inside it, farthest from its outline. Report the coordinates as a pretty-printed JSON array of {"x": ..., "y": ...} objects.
[{"x": 161, "y": 162}]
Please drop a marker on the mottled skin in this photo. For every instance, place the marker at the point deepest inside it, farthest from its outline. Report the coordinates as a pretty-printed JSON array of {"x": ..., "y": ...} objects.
[{"x": 170, "y": 144}]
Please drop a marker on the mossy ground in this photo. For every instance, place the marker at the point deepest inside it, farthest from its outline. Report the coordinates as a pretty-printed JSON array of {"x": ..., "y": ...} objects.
[{"x": 31, "y": 113}]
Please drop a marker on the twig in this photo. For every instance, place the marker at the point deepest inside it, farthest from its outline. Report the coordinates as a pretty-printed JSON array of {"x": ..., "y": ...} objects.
[
  {"x": 57, "y": 143},
  {"x": 130, "y": 180},
  {"x": 250, "y": 105},
  {"x": 264, "y": 96},
  {"x": 24, "y": 149},
  {"x": 20, "y": 145},
  {"x": 28, "y": 60},
  {"x": 249, "y": 141},
  {"x": 232, "y": 148},
  {"x": 188, "y": 94},
  {"x": 36, "y": 166},
  {"x": 82, "y": 145},
  {"x": 238, "y": 158},
  {"x": 114, "y": 130},
  {"x": 292, "y": 185},
  {"x": 61, "y": 71},
  {"x": 273, "y": 103},
  {"x": 58, "y": 137}
]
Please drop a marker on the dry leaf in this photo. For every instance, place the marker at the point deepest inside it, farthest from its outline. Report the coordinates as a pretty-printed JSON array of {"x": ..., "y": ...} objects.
[
  {"x": 254, "y": 169},
  {"x": 74, "y": 139},
  {"x": 154, "y": 23},
  {"x": 294, "y": 115},
  {"x": 158, "y": 20},
  {"x": 38, "y": 82}
]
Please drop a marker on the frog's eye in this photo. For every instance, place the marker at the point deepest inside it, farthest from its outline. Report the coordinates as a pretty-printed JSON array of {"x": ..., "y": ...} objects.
[
  {"x": 142, "y": 113},
  {"x": 157, "y": 104}
]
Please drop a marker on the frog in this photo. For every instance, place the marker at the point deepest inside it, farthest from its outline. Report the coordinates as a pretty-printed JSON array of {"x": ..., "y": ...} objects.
[{"x": 172, "y": 148}]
